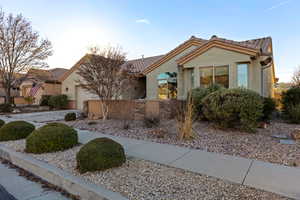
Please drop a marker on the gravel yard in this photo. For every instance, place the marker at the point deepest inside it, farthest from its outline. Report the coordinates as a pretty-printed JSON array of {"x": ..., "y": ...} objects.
[
  {"x": 260, "y": 145},
  {"x": 139, "y": 179}
]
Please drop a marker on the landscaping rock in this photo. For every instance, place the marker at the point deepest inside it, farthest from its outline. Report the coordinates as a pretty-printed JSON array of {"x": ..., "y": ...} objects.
[{"x": 296, "y": 134}]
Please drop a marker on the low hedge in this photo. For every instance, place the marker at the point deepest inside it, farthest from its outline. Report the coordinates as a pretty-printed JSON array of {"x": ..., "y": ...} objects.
[
  {"x": 237, "y": 108},
  {"x": 58, "y": 101},
  {"x": 1, "y": 123},
  {"x": 6, "y": 108},
  {"x": 51, "y": 138},
  {"x": 15, "y": 130},
  {"x": 198, "y": 95},
  {"x": 100, "y": 154},
  {"x": 70, "y": 116}
]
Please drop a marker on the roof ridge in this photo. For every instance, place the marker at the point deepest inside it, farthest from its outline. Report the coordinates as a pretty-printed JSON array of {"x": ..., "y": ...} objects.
[{"x": 144, "y": 58}]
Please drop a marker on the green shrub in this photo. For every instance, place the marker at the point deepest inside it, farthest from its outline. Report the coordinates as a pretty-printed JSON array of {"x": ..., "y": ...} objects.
[
  {"x": 269, "y": 106},
  {"x": 237, "y": 107},
  {"x": 100, "y": 154},
  {"x": 50, "y": 138},
  {"x": 70, "y": 116},
  {"x": 58, "y": 101},
  {"x": 294, "y": 114},
  {"x": 15, "y": 130},
  {"x": 198, "y": 95},
  {"x": 291, "y": 97},
  {"x": 6, "y": 108},
  {"x": 45, "y": 100},
  {"x": 1, "y": 123}
]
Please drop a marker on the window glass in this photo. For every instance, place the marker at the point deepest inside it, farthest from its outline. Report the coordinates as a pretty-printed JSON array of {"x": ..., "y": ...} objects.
[
  {"x": 167, "y": 85},
  {"x": 222, "y": 76},
  {"x": 206, "y": 77},
  {"x": 242, "y": 75}
]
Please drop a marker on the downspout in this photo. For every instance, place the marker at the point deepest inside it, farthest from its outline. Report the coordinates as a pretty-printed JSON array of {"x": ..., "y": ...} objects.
[{"x": 262, "y": 76}]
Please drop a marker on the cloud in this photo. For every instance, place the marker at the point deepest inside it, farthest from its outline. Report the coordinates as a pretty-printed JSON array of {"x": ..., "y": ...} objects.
[
  {"x": 142, "y": 21},
  {"x": 282, "y": 3}
]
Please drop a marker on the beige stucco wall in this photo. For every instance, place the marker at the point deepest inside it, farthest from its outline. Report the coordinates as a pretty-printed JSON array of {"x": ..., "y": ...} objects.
[
  {"x": 75, "y": 92},
  {"x": 169, "y": 66},
  {"x": 218, "y": 57},
  {"x": 212, "y": 57},
  {"x": 79, "y": 95}
]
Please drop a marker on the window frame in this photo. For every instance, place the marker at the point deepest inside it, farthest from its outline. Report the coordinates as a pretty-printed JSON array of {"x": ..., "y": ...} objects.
[
  {"x": 237, "y": 73},
  {"x": 214, "y": 71}
]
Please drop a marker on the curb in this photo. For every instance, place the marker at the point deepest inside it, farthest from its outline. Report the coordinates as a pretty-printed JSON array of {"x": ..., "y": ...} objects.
[{"x": 58, "y": 177}]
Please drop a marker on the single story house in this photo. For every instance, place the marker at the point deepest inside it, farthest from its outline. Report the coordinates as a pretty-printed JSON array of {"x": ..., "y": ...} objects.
[
  {"x": 39, "y": 82},
  {"x": 194, "y": 63}
]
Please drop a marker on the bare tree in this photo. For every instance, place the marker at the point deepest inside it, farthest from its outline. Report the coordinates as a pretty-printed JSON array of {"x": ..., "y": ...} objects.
[
  {"x": 296, "y": 77},
  {"x": 105, "y": 75},
  {"x": 20, "y": 49}
]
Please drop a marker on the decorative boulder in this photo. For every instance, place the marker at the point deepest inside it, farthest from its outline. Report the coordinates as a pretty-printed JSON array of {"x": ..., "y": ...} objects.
[
  {"x": 51, "y": 138},
  {"x": 15, "y": 130},
  {"x": 100, "y": 154},
  {"x": 296, "y": 134}
]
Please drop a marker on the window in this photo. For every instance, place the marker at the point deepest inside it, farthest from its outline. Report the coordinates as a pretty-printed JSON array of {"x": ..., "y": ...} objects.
[
  {"x": 242, "y": 75},
  {"x": 167, "y": 85},
  {"x": 214, "y": 74},
  {"x": 221, "y": 76}
]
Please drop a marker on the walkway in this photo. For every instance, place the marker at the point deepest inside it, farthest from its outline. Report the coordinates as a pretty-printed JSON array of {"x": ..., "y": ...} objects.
[
  {"x": 261, "y": 175},
  {"x": 22, "y": 189}
]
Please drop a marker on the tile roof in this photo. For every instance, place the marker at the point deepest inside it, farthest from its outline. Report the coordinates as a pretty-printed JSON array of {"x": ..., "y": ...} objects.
[
  {"x": 259, "y": 44},
  {"x": 138, "y": 65},
  {"x": 46, "y": 75}
]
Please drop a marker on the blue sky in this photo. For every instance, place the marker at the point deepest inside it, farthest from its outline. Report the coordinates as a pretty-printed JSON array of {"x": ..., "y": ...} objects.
[{"x": 154, "y": 27}]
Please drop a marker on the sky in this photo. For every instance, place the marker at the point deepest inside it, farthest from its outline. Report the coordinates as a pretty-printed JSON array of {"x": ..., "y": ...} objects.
[{"x": 154, "y": 27}]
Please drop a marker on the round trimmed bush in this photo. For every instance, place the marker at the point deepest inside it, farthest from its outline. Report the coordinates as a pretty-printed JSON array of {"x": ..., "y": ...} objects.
[
  {"x": 15, "y": 130},
  {"x": 1, "y": 123},
  {"x": 100, "y": 154},
  {"x": 51, "y": 138},
  {"x": 70, "y": 116},
  {"x": 237, "y": 107},
  {"x": 198, "y": 95}
]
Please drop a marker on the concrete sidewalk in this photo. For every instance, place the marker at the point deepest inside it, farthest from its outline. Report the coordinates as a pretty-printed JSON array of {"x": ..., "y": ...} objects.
[
  {"x": 23, "y": 189},
  {"x": 261, "y": 175}
]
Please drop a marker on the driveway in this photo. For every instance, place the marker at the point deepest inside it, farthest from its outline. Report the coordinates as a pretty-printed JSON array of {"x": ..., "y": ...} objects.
[{"x": 43, "y": 116}]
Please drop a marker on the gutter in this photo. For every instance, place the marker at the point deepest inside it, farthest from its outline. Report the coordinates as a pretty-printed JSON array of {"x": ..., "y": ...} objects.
[{"x": 262, "y": 76}]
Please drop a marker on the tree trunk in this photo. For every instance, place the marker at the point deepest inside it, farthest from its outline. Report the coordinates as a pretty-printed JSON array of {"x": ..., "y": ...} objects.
[
  {"x": 104, "y": 109},
  {"x": 7, "y": 96}
]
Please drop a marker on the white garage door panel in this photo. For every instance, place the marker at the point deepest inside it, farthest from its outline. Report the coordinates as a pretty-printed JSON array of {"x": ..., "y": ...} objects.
[{"x": 83, "y": 95}]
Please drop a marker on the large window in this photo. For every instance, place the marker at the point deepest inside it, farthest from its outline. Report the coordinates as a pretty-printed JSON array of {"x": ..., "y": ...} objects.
[
  {"x": 242, "y": 75},
  {"x": 214, "y": 74},
  {"x": 167, "y": 85}
]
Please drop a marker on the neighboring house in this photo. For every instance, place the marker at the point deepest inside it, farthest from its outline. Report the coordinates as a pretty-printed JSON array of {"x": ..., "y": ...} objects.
[
  {"x": 39, "y": 82},
  {"x": 14, "y": 91},
  {"x": 194, "y": 63}
]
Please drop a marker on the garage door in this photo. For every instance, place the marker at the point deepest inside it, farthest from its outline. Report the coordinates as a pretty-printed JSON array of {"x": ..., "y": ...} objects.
[{"x": 83, "y": 95}]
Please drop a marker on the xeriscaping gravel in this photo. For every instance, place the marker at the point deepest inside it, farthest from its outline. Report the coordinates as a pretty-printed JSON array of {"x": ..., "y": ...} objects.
[
  {"x": 144, "y": 180},
  {"x": 259, "y": 145}
]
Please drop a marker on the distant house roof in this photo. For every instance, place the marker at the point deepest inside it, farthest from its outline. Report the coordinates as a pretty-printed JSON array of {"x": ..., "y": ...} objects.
[
  {"x": 46, "y": 75},
  {"x": 139, "y": 65}
]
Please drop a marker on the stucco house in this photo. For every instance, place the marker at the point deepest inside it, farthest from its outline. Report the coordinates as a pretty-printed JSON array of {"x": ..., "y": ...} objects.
[
  {"x": 39, "y": 82},
  {"x": 194, "y": 63}
]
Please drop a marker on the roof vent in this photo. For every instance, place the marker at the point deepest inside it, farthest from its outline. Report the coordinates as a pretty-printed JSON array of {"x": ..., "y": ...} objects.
[{"x": 214, "y": 37}]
